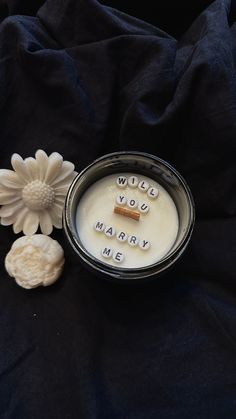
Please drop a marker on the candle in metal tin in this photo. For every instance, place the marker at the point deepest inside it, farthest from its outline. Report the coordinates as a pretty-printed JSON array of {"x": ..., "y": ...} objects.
[{"x": 129, "y": 216}]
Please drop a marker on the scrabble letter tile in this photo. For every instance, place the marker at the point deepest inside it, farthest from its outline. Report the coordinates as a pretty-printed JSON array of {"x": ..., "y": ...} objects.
[
  {"x": 110, "y": 231},
  {"x": 121, "y": 200},
  {"x": 143, "y": 186},
  {"x": 143, "y": 208},
  {"x": 99, "y": 226},
  {"x": 144, "y": 244},
  {"x": 133, "y": 240},
  {"x": 107, "y": 252},
  {"x": 133, "y": 182},
  {"x": 121, "y": 181},
  {"x": 132, "y": 203},
  {"x": 121, "y": 236},
  {"x": 118, "y": 257},
  {"x": 153, "y": 193}
]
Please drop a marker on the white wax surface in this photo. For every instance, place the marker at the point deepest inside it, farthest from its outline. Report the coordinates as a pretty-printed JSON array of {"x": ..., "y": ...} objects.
[{"x": 159, "y": 225}]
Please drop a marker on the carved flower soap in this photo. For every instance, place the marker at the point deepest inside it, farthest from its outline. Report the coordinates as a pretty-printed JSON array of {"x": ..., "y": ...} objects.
[{"x": 35, "y": 260}]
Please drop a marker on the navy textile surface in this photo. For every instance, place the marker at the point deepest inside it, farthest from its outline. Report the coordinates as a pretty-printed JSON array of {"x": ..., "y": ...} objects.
[{"x": 83, "y": 79}]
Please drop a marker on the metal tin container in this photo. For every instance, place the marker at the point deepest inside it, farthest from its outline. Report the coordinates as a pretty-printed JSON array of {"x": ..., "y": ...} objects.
[{"x": 143, "y": 164}]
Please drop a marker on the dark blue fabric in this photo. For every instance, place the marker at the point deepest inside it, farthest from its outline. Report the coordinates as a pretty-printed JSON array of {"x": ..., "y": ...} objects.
[{"x": 83, "y": 79}]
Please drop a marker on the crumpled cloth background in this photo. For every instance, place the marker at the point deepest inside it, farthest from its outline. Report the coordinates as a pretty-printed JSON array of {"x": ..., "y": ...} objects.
[{"x": 84, "y": 79}]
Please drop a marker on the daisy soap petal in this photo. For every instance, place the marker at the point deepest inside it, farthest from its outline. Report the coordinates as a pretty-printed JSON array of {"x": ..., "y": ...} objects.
[
  {"x": 59, "y": 200},
  {"x": 18, "y": 222},
  {"x": 56, "y": 220},
  {"x": 20, "y": 168},
  {"x": 54, "y": 167},
  {"x": 32, "y": 168},
  {"x": 45, "y": 222},
  {"x": 31, "y": 223},
  {"x": 58, "y": 209},
  {"x": 67, "y": 174},
  {"x": 7, "y": 221},
  {"x": 42, "y": 162},
  {"x": 10, "y": 179},
  {"x": 8, "y": 196},
  {"x": 62, "y": 190},
  {"x": 10, "y": 209}
]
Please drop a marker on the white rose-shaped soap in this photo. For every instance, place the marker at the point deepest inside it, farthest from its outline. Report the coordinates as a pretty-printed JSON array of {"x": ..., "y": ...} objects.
[{"x": 35, "y": 260}]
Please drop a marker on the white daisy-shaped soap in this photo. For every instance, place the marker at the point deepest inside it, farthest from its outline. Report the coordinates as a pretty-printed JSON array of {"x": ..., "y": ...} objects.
[
  {"x": 34, "y": 193},
  {"x": 35, "y": 260}
]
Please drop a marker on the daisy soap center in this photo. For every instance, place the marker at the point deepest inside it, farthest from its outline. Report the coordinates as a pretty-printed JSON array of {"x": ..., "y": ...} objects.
[
  {"x": 38, "y": 195},
  {"x": 127, "y": 220}
]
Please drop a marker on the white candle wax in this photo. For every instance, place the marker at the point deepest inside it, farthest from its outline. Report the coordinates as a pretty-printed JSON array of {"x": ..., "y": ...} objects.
[{"x": 119, "y": 240}]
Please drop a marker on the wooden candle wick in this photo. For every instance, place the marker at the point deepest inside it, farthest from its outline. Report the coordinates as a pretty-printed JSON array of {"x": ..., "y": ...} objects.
[{"x": 127, "y": 213}]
